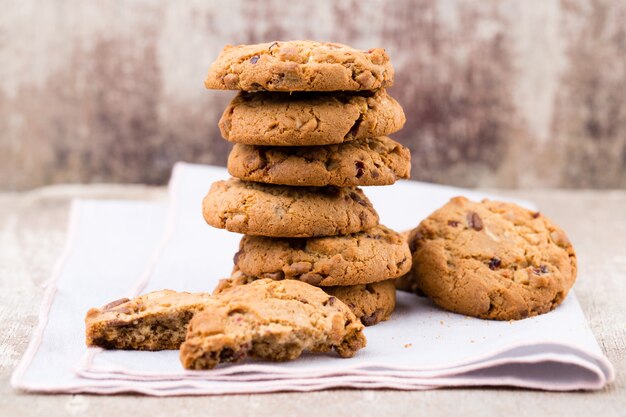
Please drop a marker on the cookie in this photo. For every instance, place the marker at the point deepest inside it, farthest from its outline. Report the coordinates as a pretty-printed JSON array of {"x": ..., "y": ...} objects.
[
  {"x": 274, "y": 320},
  {"x": 370, "y": 161},
  {"x": 305, "y": 119},
  {"x": 299, "y": 66},
  {"x": 492, "y": 260},
  {"x": 370, "y": 303},
  {"x": 282, "y": 211},
  {"x": 154, "y": 321},
  {"x": 361, "y": 258}
]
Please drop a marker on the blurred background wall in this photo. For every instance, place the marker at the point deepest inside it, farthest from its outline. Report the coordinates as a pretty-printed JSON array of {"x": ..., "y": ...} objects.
[{"x": 497, "y": 93}]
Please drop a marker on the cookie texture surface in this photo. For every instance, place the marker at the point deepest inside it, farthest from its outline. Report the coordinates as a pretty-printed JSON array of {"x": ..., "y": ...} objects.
[
  {"x": 370, "y": 303},
  {"x": 154, "y": 321},
  {"x": 299, "y": 66},
  {"x": 282, "y": 211},
  {"x": 375, "y": 255},
  {"x": 370, "y": 161},
  {"x": 274, "y": 320},
  {"x": 305, "y": 119},
  {"x": 492, "y": 260}
]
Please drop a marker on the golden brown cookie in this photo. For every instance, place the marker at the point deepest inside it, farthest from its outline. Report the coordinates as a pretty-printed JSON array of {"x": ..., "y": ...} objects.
[
  {"x": 274, "y": 320},
  {"x": 299, "y": 66},
  {"x": 282, "y": 211},
  {"x": 360, "y": 258},
  {"x": 305, "y": 119},
  {"x": 154, "y": 321},
  {"x": 492, "y": 260},
  {"x": 370, "y": 303},
  {"x": 370, "y": 161}
]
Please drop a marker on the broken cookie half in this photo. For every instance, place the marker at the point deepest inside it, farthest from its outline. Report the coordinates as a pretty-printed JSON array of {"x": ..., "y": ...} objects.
[
  {"x": 273, "y": 320},
  {"x": 154, "y": 321}
]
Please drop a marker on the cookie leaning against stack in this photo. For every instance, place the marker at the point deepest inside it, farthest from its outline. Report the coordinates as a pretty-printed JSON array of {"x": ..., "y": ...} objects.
[{"x": 310, "y": 126}]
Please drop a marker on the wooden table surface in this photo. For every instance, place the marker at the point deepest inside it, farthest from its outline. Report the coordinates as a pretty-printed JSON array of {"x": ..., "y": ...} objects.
[{"x": 32, "y": 232}]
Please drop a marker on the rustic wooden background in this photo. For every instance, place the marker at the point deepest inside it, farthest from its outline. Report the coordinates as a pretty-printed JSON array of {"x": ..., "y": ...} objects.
[{"x": 497, "y": 93}]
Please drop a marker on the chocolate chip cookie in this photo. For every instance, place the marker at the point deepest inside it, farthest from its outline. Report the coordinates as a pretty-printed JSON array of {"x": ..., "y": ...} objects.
[
  {"x": 274, "y": 320},
  {"x": 370, "y": 303},
  {"x": 299, "y": 66},
  {"x": 282, "y": 211},
  {"x": 361, "y": 258},
  {"x": 370, "y": 161},
  {"x": 305, "y": 119},
  {"x": 154, "y": 321},
  {"x": 492, "y": 260}
]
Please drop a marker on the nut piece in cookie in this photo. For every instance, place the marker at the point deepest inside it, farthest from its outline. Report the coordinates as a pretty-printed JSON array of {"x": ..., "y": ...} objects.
[
  {"x": 299, "y": 66},
  {"x": 305, "y": 119},
  {"x": 370, "y": 161},
  {"x": 282, "y": 211},
  {"x": 370, "y": 303},
  {"x": 273, "y": 320},
  {"x": 492, "y": 260},
  {"x": 361, "y": 258},
  {"x": 154, "y": 321}
]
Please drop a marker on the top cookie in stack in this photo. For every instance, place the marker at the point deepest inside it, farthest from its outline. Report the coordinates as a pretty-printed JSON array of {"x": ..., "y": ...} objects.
[{"x": 309, "y": 127}]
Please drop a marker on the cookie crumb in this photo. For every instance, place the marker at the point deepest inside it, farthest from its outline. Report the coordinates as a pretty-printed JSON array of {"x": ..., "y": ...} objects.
[{"x": 408, "y": 345}]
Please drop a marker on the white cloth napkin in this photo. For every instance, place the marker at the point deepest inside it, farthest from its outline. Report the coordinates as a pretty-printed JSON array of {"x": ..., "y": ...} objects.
[{"x": 118, "y": 249}]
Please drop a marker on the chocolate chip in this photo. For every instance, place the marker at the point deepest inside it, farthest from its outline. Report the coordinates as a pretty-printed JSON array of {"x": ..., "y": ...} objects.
[
  {"x": 358, "y": 199},
  {"x": 494, "y": 263},
  {"x": 360, "y": 168},
  {"x": 474, "y": 221},
  {"x": 231, "y": 355},
  {"x": 536, "y": 214},
  {"x": 254, "y": 59},
  {"x": 453, "y": 223},
  {"x": 331, "y": 300},
  {"x": 371, "y": 319},
  {"x": 540, "y": 270},
  {"x": 375, "y": 174},
  {"x": 330, "y": 191}
]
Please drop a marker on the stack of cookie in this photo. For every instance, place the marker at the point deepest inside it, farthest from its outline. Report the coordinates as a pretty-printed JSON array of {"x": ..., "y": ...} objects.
[{"x": 309, "y": 127}]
